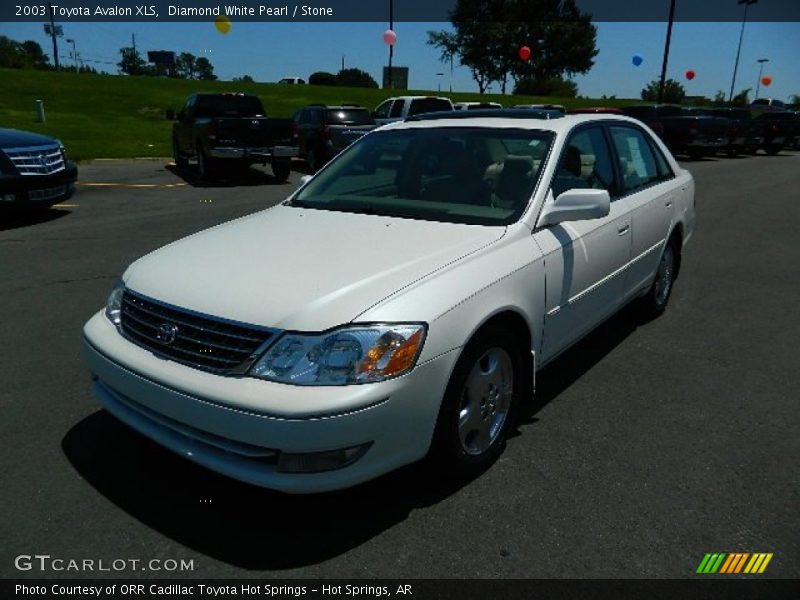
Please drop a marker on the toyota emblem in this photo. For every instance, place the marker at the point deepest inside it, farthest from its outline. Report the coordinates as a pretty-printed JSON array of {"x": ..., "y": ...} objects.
[{"x": 167, "y": 333}]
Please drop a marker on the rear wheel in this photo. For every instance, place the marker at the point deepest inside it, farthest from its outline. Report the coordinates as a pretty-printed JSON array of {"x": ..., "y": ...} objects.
[
  {"x": 655, "y": 301},
  {"x": 772, "y": 149},
  {"x": 480, "y": 403},
  {"x": 205, "y": 164}
]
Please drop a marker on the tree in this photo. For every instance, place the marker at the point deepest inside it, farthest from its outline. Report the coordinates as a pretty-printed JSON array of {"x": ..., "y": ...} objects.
[
  {"x": 132, "y": 62},
  {"x": 355, "y": 78},
  {"x": 244, "y": 79},
  {"x": 555, "y": 86},
  {"x": 742, "y": 98},
  {"x": 205, "y": 70},
  {"x": 719, "y": 98},
  {"x": 674, "y": 92},
  {"x": 25, "y": 55},
  {"x": 489, "y": 33},
  {"x": 322, "y": 78},
  {"x": 186, "y": 65}
]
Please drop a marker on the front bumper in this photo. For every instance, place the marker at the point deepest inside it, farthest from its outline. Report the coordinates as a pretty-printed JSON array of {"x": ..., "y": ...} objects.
[
  {"x": 22, "y": 191},
  {"x": 240, "y": 426}
]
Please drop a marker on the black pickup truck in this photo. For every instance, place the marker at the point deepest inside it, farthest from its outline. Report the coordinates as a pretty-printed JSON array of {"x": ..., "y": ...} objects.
[
  {"x": 34, "y": 171},
  {"x": 780, "y": 129},
  {"x": 682, "y": 132},
  {"x": 229, "y": 130}
]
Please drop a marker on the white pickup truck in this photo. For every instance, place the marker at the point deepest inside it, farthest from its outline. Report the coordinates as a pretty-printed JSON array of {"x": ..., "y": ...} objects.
[
  {"x": 402, "y": 107},
  {"x": 398, "y": 304}
]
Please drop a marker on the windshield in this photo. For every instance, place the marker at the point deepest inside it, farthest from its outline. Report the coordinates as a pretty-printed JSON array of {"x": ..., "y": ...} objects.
[
  {"x": 452, "y": 174},
  {"x": 349, "y": 116}
]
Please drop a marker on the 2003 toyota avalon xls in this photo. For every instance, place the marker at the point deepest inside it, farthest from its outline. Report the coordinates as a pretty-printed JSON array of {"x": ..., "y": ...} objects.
[{"x": 398, "y": 303}]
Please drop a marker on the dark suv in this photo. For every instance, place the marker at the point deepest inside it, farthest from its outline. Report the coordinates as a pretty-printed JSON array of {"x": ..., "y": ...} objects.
[
  {"x": 324, "y": 131},
  {"x": 34, "y": 171}
]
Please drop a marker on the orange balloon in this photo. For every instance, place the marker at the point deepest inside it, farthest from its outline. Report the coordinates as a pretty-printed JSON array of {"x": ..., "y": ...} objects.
[{"x": 766, "y": 80}]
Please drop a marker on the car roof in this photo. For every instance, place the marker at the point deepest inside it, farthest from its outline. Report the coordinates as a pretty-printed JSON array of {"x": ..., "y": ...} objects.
[{"x": 559, "y": 125}]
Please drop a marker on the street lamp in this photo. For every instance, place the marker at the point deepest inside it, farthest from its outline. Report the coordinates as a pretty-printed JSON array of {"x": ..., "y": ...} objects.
[
  {"x": 760, "y": 71},
  {"x": 440, "y": 75},
  {"x": 747, "y": 4},
  {"x": 74, "y": 53}
]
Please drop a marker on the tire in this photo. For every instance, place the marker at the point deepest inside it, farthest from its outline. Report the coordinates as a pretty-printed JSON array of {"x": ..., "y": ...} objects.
[
  {"x": 205, "y": 165},
  {"x": 281, "y": 170},
  {"x": 313, "y": 160},
  {"x": 772, "y": 149},
  {"x": 479, "y": 405},
  {"x": 180, "y": 161},
  {"x": 654, "y": 303}
]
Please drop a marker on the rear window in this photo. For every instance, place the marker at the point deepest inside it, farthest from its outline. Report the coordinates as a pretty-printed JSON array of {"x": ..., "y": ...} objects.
[
  {"x": 426, "y": 105},
  {"x": 348, "y": 116},
  {"x": 228, "y": 106},
  {"x": 639, "y": 112}
]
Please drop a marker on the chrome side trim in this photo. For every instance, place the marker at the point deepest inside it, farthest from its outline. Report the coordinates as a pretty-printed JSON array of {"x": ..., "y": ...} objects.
[{"x": 605, "y": 279}]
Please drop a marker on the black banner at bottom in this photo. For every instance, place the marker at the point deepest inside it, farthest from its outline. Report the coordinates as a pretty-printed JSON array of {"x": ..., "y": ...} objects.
[{"x": 410, "y": 589}]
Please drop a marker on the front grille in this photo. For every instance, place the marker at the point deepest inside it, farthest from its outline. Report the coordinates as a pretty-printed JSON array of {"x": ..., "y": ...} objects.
[
  {"x": 36, "y": 160},
  {"x": 186, "y": 337}
]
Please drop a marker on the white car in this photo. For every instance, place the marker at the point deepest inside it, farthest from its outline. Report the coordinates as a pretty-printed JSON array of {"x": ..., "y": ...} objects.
[
  {"x": 402, "y": 107},
  {"x": 397, "y": 304}
]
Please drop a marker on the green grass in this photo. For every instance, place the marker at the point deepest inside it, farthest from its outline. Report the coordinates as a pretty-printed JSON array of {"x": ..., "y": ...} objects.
[{"x": 110, "y": 116}]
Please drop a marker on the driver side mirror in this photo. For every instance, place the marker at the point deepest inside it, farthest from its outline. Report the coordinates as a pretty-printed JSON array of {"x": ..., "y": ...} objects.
[{"x": 576, "y": 204}]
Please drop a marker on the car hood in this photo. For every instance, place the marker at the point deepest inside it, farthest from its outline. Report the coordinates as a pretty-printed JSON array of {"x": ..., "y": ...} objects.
[
  {"x": 303, "y": 269},
  {"x": 14, "y": 138}
]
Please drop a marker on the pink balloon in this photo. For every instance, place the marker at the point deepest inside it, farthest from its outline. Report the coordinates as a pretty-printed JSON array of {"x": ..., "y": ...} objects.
[
  {"x": 690, "y": 74},
  {"x": 524, "y": 53},
  {"x": 389, "y": 37}
]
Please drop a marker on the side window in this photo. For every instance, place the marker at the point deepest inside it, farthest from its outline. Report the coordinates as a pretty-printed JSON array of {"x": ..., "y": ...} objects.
[
  {"x": 300, "y": 116},
  {"x": 664, "y": 170},
  {"x": 397, "y": 108},
  {"x": 188, "y": 109},
  {"x": 585, "y": 163},
  {"x": 636, "y": 161},
  {"x": 382, "y": 112},
  {"x": 315, "y": 116}
]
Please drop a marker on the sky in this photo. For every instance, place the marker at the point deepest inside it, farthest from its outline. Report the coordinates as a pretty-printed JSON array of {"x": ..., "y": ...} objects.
[{"x": 271, "y": 51}]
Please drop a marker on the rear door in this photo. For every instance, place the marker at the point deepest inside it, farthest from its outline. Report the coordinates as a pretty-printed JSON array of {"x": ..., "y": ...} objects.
[
  {"x": 648, "y": 186},
  {"x": 585, "y": 260}
]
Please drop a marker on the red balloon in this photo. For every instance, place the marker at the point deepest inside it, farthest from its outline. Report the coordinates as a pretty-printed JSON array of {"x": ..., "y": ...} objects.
[
  {"x": 524, "y": 53},
  {"x": 766, "y": 80},
  {"x": 389, "y": 37},
  {"x": 690, "y": 74}
]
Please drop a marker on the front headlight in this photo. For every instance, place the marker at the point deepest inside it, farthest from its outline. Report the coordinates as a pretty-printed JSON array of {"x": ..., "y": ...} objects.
[
  {"x": 114, "y": 304},
  {"x": 62, "y": 149},
  {"x": 352, "y": 354}
]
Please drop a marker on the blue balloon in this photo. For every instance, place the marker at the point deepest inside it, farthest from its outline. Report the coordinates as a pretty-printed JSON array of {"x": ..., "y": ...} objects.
[{"x": 637, "y": 60}]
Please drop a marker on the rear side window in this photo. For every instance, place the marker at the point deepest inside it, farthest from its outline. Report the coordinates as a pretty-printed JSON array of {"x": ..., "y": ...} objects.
[
  {"x": 636, "y": 160},
  {"x": 383, "y": 110},
  {"x": 426, "y": 105},
  {"x": 585, "y": 164},
  {"x": 348, "y": 116}
]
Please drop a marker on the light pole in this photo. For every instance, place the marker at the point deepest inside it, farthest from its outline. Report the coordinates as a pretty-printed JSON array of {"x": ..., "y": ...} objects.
[
  {"x": 760, "y": 71},
  {"x": 440, "y": 75},
  {"x": 666, "y": 53},
  {"x": 747, "y": 4},
  {"x": 74, "y": 53}
]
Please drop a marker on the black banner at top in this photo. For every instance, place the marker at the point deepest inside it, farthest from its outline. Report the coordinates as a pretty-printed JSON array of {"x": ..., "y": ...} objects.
[{"x": 375, "y": 10}]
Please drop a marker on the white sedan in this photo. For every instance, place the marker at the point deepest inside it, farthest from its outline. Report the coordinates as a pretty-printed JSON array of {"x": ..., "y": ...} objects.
[{"x": 398, "y": 304}]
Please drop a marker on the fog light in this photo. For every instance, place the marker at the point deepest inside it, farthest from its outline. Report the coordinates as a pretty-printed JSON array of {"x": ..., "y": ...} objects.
[
  {"x": 7, "y": 197},
  {"x": 316, "y": 462}
]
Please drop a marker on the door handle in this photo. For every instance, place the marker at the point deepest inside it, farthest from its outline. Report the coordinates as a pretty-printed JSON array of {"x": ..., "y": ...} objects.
[
  {"x": 668, "y": 203},
  {"x": 623, "y": 230}
]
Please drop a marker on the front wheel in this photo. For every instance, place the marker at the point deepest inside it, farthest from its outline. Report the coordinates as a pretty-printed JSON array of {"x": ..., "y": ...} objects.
[
  {"x": 281, "y": 170},
  {"x": 205, "y": 164},
  {"x": 180, "y": 161},
  {"x": 480, "y": 403},
  {"x": 772, "y": 149},
  {"x": 655, "y": 301}
]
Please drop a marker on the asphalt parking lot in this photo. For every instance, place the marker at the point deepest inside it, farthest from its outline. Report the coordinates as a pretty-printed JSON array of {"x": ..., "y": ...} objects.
[{"x": 649, "y": 444}]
